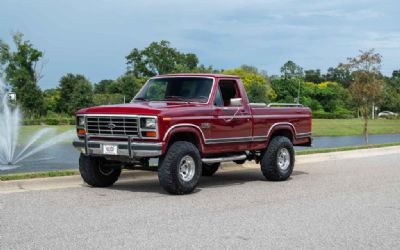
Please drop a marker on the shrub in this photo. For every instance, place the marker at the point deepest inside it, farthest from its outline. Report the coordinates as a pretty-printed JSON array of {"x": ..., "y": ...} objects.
[
  {"x": 51, "y": 121},
  {"x": 72, "y": 121},
  {"x": 335, "y": 115},
  {"x": 31, "y": 122}
]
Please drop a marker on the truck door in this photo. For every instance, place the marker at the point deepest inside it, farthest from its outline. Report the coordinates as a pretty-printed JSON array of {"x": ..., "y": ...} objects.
[{"x": 231, "y": 123}]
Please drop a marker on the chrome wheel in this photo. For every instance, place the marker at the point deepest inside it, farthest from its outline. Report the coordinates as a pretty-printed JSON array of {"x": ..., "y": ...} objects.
[
  {"x": 187, "y": 168},
  {"x": 283, "y": 159}
]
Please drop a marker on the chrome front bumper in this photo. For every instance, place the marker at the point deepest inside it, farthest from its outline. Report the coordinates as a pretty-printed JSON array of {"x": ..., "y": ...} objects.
[{"x": 125, "y": 148}]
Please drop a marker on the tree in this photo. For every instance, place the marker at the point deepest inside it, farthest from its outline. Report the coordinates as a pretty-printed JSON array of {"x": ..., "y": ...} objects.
[
  {"x": 22, "y": 70},
  {"x": 158, "y": 58},
  {"x": 52, "y": 99},
  {"x": 366, "y": 88},
  {"x": 287, "y": 89},
  {"x": 391, "y": 92},
  {"x": 129, "y": 85},
  {"x": 76, "y": 92},
  {"x": 105, "y": 87},
  {"x": 340, "y": 75},
  {"x": 291, "y": 70},
  {"x": 107, "y": 99},
  {"x": 257, "y": 87},
  {"x": 199, "y": 69},
  {"x": 313, "y": 76},
  {"x": 332, "y": 97}
]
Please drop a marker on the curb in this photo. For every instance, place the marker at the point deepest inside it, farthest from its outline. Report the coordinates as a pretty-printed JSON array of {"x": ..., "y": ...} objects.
[{"x": 15, "y": 186}]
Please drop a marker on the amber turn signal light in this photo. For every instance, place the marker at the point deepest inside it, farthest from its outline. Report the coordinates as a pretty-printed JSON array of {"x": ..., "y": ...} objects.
[
  {"x": 150, "y": 134},
  {"x": 81, "y": 132}
]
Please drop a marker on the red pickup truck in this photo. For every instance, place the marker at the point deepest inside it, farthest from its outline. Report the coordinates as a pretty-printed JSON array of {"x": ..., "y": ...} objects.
[{"x": 191, "y": 123}]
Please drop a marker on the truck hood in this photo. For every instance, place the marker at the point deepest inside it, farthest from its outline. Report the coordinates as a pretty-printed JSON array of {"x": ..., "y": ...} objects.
[{"x": 141, "y": 108}]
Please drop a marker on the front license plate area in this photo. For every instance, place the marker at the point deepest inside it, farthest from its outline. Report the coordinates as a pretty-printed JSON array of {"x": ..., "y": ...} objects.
[{"x": 110, "y": 149}]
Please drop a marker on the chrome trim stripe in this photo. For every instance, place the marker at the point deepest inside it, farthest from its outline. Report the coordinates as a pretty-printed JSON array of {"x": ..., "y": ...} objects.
[
  {"x": 240, "y": 116},
  {"x": 228, "y": 140},
  {"x": 192, "y": 117},
  {"x": 183, "y": 125},
  {"x": 282, "y": 116},
  {"x": 210, "y": 117},
  {"x": 281, "y": 123},
  {"x": 303, "y": 135},
  {"x": 233, "y": 117},
  {"x": 260, "y": 138},
  {"x": 236, "y": 139}
]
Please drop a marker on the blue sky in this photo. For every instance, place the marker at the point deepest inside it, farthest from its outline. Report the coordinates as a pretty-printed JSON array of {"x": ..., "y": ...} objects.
[{"x": 92, "y": 37}]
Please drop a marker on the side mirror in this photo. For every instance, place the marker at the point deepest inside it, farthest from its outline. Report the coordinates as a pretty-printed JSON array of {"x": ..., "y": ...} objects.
[{"x": 236, "y": 102}]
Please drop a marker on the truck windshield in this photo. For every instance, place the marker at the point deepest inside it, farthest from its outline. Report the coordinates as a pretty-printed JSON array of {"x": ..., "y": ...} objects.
[{"x": 187, "y": 89}]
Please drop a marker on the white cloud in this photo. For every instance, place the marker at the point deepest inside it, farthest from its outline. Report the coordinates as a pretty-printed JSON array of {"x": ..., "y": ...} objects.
[
  {"x": 93, "y": 37},
  {"x": 381, "y": 40}
]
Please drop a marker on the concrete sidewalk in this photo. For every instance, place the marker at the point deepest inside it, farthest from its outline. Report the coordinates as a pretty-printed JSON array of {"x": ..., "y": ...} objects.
[{"x": 75, "y": 181}]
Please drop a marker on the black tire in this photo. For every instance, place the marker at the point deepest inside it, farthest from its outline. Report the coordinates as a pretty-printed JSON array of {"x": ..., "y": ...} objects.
[
  {"x": 168, "y": 172},
  {"x": 210, "y": 169},
  {"x": 269, "y": 161},
  {"x": 96, "y": 172}
]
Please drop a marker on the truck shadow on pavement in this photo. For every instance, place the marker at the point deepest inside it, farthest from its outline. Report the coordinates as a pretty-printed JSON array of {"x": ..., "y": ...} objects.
[{"x": 220, "y": 179}]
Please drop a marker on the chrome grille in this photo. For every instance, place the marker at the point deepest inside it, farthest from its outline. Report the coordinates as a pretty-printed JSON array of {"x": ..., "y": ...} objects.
[{"x": 112, "y": 125}]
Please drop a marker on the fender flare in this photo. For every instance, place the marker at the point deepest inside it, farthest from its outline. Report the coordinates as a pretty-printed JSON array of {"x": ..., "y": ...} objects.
[
  {"x": 282, "y": 126},
  {"x": 185, "y": 127}
]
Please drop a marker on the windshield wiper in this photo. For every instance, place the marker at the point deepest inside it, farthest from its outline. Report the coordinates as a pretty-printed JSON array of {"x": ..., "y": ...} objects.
[
  {"x": 140, "y": 99},
  {"x": 176, "y": 98}
]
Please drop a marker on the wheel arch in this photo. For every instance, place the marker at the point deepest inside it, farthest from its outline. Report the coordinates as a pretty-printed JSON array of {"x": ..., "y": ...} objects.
[
  {"x": 185, "y": 132},
  {"x": 282, "y": 129}
]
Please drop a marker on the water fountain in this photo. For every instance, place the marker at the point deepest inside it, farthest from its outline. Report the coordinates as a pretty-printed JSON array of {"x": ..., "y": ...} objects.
[{"x": 12, "y": 153}]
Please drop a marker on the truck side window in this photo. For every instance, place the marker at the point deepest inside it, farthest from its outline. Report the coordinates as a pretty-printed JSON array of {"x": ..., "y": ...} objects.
[
  {"x": 218, "y": 99},
  {"x": 228, "y": 90}
]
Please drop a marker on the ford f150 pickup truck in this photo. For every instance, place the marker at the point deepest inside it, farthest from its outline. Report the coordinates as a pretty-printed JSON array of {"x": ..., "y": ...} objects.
[{"x": 191, "y": 123}]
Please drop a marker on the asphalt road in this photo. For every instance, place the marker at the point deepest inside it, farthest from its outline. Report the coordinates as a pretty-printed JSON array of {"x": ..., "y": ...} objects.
[{"x": 336, "y": 201}]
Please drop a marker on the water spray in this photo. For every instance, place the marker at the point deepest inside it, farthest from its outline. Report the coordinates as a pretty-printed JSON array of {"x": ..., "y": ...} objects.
[{"x": 11, "y": 153}]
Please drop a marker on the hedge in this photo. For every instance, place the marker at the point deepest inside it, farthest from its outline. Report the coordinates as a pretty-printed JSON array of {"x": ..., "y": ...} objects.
[
  {"x": 49, "y": 121},
  {"x": 337, "y": 115}
]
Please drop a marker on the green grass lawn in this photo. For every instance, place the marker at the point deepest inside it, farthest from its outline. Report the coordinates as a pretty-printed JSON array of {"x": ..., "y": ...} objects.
[
  {"x": 321, "y": 127},
  {"x": 344, "y": 127},
  {"x": 27, "y": 131}
]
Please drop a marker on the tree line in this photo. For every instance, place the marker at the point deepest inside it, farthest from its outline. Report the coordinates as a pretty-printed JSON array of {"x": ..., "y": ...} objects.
[{"x": 347, "y": 90}]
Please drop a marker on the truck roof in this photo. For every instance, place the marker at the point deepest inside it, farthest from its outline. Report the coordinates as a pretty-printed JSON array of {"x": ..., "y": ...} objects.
[{"x": 200, "y": 75}]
